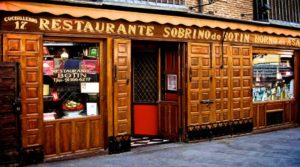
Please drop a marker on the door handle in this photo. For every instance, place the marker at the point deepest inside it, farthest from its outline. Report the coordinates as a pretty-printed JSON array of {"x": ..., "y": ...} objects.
[{"x": 206, "y": 101}]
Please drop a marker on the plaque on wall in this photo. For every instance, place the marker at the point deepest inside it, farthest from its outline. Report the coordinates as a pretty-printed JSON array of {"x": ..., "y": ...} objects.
[{"x": 172, "y": 82}]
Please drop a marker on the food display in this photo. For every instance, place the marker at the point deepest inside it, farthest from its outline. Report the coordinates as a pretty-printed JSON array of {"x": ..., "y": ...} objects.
[
  {"x": 72, "y": 108},
  {"x": 71, "y": 105}
]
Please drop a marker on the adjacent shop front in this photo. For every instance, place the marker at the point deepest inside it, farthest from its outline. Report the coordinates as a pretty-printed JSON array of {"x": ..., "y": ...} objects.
[{"x": 91, "y": 80}]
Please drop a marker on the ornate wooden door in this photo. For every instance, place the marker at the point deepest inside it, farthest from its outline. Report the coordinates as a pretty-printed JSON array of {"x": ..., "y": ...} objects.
[
  {"x": 170, "y": 112},
  {"x": 201, "y": 104},
  {"x": 222, "y": 81},
  {"x": 9, "y": 124},
  {"x": 26, "y": 49},
  {"x": 241, "y": 103},
  {"x": 122, "y": 87}
]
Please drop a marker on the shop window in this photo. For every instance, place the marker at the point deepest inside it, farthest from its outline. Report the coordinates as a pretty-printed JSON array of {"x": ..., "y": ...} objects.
[
  {"x": 273, "y": 77},
  {"x": 70, "y": 79}
]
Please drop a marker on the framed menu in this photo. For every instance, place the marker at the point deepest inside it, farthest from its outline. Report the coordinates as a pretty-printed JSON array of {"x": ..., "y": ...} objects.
[
  {"x": 91, "y": 108},
  {"x": 89, "y": 87},
  {"x": 172, "y": 82}
]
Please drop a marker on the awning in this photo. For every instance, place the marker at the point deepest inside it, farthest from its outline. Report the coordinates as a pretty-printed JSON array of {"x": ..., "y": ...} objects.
[{"x": 14, "y": 6}]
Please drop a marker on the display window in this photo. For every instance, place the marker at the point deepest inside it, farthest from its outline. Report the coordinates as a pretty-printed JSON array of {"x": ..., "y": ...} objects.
[
  {"x": 273, "y": 76},
  {"x": 70, "y": 79}
]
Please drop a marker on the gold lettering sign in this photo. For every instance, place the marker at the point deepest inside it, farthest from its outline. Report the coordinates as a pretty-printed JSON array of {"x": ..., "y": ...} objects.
[{"x": 137, "y": 29}]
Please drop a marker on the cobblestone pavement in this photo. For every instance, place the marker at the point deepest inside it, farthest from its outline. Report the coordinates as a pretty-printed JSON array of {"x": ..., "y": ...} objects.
[{"x": 273, "y": 149}]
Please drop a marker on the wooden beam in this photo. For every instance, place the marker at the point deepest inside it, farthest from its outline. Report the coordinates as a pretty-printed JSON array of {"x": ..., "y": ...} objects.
[{"x": 109, "y": 88}]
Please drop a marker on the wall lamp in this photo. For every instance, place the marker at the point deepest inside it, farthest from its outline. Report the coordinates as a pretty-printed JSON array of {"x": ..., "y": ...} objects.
[
  {"x": 246, "y": 14},
  {"x": 201, "y": 5}
]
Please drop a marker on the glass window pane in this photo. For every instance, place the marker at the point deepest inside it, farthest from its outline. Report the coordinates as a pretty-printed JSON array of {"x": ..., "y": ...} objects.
[
  {"x": 273, "y": 77},
  {"x": 71, "y": 79}
]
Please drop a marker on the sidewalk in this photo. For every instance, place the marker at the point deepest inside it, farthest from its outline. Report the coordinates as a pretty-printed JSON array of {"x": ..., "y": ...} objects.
[{"x": 273, "y": 149}]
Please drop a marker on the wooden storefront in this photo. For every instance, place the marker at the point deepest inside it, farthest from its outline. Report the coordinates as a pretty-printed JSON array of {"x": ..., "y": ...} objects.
[{"x": 202, "y": 87}]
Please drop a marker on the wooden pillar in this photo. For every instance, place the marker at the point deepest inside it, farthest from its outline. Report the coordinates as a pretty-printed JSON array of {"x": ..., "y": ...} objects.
[
  {"x": 1, "y": 48},
  {"x": 296, "y": 113},
  {"x": 122, "y": 87},
  {"x": 109, "y": 88},
  {"x": 120, "y": 73}
]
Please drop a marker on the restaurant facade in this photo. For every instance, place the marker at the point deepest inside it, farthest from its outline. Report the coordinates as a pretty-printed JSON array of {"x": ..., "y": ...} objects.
[{"x": 91, "y": 79}]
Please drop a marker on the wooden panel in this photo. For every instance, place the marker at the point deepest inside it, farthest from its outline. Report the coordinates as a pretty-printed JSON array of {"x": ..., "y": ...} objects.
[
  {"x": 26, "y": 49},
  {"x": 255, "y": 115},
  {"x": 263, "y": 108},
  {"x": 65, "y": 137},
  {"x": 81, "y": 135},
  {"x": 122, "y": 88},
  {"x": 274, "y": 106},
  {"x": 168, "y": 120},
  {"x": 69, "y": 136},
  {"x": 96, "y": 139},
  {"x": 200, "y": 86},
  {"x": 1, "y": 48},
  {"x": 287, "y": 112},
  {"x": 50, "y": 138},
  {"x": 262, "y": 115},
  {"x": 241, "y": 82},
  {"x": 30, "y": 107},
  {"x": 294, "y": 112},
  {"x": 222, "y": 78}
]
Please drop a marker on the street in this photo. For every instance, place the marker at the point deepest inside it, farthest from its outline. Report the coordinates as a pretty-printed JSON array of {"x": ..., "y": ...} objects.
[{"x": 274, "y": 149}]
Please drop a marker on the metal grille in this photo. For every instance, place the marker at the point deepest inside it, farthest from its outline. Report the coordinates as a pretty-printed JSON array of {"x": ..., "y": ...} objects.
[
  {"x": 260, "y": 10},
  {"x": 277, "y": 10},
  {"x": 287, "y": 10},
  {"x": 95, "y": 2},
  {"x": 173, "y": 2},
  {"x": 274, "y": 118},
  {"x": 167, "y": 5},
  {"x": 145, "y": 79}
]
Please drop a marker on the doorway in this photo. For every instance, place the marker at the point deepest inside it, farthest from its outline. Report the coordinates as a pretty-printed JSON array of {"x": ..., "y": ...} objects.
[{"x": 156, "y": 88}]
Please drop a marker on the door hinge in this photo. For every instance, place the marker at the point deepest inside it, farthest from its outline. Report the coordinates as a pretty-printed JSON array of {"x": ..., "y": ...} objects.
[{"x": 180, "y": 92}]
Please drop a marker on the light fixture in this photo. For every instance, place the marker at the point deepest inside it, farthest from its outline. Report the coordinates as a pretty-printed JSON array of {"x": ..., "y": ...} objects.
[
  {"x": 58, "y": 44},
  {"x": 286, "y": 56}
]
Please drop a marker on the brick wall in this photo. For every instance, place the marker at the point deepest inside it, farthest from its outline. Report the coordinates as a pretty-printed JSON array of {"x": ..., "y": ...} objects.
[
  {"x": 191, "y": 3},
  {"x": 227, "y": 8}
]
